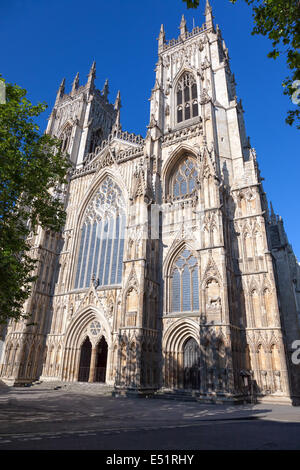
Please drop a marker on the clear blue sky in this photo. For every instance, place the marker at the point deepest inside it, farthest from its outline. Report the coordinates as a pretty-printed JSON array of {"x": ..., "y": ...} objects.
[{"x": 44, "y": 41}]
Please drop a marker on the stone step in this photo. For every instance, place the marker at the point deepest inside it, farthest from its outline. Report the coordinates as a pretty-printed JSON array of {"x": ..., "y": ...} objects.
[
  {"x": 99, "y": 388},
  {"x": 186, "y": 395}
]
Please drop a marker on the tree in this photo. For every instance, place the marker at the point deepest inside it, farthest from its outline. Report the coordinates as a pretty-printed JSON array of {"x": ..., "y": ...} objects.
[
  {"x": 32, "y": 165},
  {"x": 279, "y": 21}
]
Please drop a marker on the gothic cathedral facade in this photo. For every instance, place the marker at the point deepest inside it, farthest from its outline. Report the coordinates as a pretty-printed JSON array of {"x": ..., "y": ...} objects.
[{"x": 171, "y": 272}]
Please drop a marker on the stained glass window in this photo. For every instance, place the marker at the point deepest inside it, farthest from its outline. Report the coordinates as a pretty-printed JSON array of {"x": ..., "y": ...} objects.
[
  {"x": 102, "y": 238},
  {"x": 186, "y": 95},
  {"x": 185, "y": 284}
]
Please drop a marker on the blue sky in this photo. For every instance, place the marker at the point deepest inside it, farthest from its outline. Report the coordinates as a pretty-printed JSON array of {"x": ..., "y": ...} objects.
[{"x": 44, "y": 41}]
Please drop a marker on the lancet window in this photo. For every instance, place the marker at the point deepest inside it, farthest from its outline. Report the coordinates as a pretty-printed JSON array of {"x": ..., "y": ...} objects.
[
  {"x": 186, "y": 98},
  {"x": 185, "y": 283}
]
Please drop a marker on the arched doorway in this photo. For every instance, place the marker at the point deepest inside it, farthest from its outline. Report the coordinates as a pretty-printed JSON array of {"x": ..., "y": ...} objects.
[
  {"x": 85, "y": 361},
  {"x": 191, "y": 364},
  {"x": 101, "y": 361}
]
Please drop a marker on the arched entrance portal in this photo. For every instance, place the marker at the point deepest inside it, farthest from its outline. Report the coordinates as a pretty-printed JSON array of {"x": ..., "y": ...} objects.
[
  {"x": 85, "y": 361},
  {"x": 101, "y": 361},
  {"x": 191, "y": 363}
]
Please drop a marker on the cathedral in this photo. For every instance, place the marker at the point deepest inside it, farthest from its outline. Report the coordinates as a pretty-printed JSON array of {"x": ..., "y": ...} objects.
[{"x": 171, "y": 275}]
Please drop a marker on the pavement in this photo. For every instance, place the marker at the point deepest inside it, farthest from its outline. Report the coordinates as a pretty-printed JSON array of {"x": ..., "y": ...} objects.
[{"x": 61, "y": 415}]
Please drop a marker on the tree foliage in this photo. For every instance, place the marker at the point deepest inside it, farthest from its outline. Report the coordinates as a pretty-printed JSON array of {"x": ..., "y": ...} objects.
[
  {"x": 279, "y": 21},
  {"x": 31, "y": 166}
]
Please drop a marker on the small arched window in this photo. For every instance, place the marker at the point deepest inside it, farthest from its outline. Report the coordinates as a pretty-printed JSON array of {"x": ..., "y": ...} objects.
[
  {"x": 184, "y": 178},
  {"x": 185, "y": 283},
  {"x": 186, "y": 98},
  {"x": 102, "y": 238}
]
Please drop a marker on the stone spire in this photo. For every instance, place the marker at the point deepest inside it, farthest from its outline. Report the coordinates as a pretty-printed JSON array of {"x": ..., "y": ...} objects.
[
  {"x": 61, "y": 90},
  {"x": 75, "y": 83},
  {"x": 161, "y": 38},
  {"x": 117, "y": 107},
  {"x": 92, "y": 76},
  {"x": 183, "y": 28},
  {"x": 208, "y": 15}
]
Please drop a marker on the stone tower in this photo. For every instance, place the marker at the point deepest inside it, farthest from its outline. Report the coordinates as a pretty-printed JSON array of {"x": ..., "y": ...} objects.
[{"x": 171, "y": 274}]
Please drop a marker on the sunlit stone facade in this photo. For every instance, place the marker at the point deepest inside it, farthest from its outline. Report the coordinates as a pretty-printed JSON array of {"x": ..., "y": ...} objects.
[{"x": 171, "y": 273}]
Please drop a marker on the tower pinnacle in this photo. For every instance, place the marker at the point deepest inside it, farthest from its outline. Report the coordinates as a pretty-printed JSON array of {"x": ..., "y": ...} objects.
[
  {"x": 161, "y": 38},
  {"x": 61, "y": 90},
  {"x": 92, "y": 75},
  {"x": 105, "y": 90},
  {"x": 117, "y": 106},
  {"x": 208, "y": 15},
  {"x": 182, "y": 27},
  {"x": 75, "y": 83}
]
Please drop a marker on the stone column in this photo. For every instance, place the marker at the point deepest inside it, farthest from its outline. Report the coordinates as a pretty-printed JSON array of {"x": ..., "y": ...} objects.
[{"x": 93, "y": 364}]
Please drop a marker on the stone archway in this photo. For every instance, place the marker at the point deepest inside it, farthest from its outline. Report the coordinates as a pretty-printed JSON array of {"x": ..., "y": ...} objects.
[{"x": 182, "y": 355}]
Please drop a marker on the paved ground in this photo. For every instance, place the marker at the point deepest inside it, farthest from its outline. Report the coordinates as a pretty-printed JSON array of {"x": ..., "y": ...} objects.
[{"x": 80, "y": 416}]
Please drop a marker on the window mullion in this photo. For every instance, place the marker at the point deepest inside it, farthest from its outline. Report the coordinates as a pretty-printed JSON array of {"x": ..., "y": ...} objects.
[
  {"x": 88, "y": 255},
  {"x": 121, "y": 245},
  {"x": 181, "y": 293},
  {"x": 112, "y": 249},
  {"x": 97, "y": 261},
  {"x": 84, "y": 256},
  {"x": 103, "y": 252}
]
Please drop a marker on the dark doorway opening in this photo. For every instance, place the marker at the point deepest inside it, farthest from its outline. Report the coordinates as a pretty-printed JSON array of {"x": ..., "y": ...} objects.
[
  {"x": 85, "y": 361},
  {"x": 101, "y": 361},
  {"x": 191, "y": 364}
]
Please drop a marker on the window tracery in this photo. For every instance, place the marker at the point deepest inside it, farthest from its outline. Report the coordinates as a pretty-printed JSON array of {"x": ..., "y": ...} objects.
[{"x": 184, "y": 178}]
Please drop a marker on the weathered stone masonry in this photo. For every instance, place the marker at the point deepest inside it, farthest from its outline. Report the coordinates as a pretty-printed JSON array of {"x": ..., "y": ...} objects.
[{"x": 171, "y": 272}]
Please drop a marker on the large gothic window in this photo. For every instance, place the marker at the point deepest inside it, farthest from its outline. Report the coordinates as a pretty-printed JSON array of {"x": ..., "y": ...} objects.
[
  {"x": 184, "y": 178},
  {"x": 102, "y": 238},
  {"x": 186, "y": 98},
  {"x": 185, "y": 284}
]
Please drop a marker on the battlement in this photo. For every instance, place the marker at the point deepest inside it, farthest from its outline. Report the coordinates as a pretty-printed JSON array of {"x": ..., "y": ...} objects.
[{"x": 188, "y": 35}]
